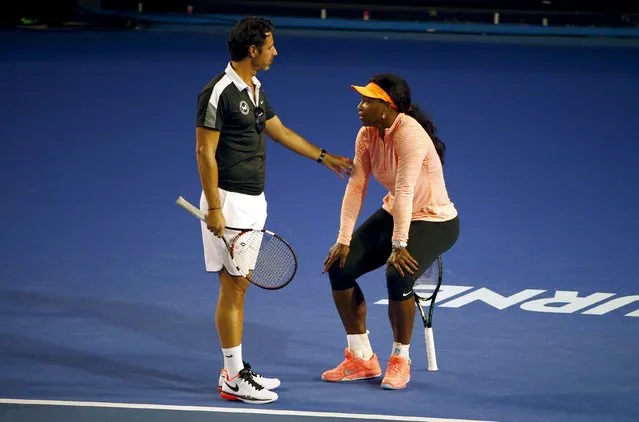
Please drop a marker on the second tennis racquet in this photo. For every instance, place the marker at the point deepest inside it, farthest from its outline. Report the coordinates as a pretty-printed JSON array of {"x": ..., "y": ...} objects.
[
  {"x": 263, "y": 257},
  {"x": 432, "y": 278}
]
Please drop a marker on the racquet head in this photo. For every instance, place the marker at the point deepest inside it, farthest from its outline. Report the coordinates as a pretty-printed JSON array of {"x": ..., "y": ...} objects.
[
  {"x": 430, "y": 280},
  {"x": 267, "y": 259}
]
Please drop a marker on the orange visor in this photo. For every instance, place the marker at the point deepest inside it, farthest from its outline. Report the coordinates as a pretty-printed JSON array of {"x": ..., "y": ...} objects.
[{"x": 372, "y": 90}]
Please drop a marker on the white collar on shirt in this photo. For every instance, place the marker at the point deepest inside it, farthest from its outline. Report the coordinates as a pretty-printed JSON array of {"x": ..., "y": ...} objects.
[{"x": 239, "y": 83}]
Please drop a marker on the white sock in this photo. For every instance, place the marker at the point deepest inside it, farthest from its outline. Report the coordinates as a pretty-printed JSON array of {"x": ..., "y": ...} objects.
[
  {"x": 360, "y": 345},
  {"x": 400, "y": 350},
  {"x": 233, "y": 360}
]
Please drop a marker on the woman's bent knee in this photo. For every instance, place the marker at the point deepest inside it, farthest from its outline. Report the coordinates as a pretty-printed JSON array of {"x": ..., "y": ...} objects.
[
  {"x": 340, "y": 278},
  {"x": 399, "y": 287}
]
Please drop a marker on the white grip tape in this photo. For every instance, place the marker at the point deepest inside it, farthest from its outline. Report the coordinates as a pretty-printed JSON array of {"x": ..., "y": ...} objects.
[
  {"x": 191, "y": 208},
  {"x": 430, "y": 349}
]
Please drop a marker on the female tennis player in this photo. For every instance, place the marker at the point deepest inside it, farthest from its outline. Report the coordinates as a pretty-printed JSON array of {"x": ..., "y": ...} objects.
[{"x": 417, "y": 221}]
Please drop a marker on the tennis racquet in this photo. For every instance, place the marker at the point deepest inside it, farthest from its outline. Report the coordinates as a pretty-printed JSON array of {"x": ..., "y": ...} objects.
[
  {"x": 431, "y": 277},
  {"x": 261, "y": 256}
]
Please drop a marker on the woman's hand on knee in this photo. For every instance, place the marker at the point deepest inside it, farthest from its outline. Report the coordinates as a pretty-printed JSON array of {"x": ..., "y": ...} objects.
[
  {"x": 337, "y": 251},
  {"x": 402, "y": 260}
]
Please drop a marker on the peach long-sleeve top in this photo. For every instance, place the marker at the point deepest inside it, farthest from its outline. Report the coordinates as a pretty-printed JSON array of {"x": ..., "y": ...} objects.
[{"x": 406, "y": 163}]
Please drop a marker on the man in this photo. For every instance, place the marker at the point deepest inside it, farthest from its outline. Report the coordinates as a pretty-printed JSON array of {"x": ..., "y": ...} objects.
[{"x": 232, "y": 118}]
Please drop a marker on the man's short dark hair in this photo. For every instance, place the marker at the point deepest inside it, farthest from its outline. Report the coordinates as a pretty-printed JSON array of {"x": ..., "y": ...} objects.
[{"x": 249, "y": 31}]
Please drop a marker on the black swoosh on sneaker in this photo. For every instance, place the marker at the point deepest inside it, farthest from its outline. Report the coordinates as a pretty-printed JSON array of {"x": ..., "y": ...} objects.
[{"x": 236, "y": 388}]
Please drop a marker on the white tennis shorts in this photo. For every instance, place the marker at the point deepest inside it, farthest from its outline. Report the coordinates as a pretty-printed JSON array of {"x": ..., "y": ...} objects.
[{"x": 240, "y": 211}]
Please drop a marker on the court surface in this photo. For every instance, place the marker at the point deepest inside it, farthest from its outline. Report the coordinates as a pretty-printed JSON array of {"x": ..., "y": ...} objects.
[{"x": 106, "y": 312}]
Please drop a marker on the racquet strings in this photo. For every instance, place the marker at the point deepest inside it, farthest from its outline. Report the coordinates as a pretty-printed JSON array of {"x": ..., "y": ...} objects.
[
  {"x": 426, "y": 283},
  {"x": 267, "y": 259}
]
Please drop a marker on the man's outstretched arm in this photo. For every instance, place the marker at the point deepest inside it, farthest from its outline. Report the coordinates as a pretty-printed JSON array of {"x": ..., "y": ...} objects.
[{"x": 291, "y": 140}]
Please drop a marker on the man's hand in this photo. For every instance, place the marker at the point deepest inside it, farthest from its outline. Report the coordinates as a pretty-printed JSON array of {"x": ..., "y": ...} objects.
[
  {"x": 342, "y": 166},
  {"x": 215, "y": 222}
]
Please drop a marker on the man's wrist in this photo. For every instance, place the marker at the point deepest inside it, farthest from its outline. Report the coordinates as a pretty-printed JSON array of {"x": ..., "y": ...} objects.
[{"x": 321, "y": 156}]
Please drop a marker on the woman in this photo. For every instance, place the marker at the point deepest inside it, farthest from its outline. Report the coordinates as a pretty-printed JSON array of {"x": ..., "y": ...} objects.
[{"x": 417, "y": 222}]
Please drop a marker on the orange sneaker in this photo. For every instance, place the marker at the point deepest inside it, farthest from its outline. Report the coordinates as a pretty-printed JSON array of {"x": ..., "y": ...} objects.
[
  {"x": 397, "y": 374},
  {"x": 353, "y": 368}
]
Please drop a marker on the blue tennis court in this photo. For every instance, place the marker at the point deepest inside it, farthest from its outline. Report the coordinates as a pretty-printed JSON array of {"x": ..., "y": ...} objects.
[{"x": 107, "y": 312}]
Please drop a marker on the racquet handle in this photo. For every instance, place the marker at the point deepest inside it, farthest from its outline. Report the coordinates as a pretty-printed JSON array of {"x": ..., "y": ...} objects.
[
  {"x": 430, "y": 349},
  {"x": 191, "y": 208}
]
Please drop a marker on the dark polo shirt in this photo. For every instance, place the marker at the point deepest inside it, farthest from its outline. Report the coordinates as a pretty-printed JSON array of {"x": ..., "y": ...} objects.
[{"x": 226, "y": 105}]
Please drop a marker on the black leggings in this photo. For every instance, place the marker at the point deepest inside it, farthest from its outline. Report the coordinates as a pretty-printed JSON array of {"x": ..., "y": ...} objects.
[{"x": 371, "y": 246}]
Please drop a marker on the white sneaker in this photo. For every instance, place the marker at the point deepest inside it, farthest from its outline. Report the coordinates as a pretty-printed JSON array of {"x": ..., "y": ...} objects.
[
  {"x": 243, "y": 387},
  {"x": 268, "y": 383}
]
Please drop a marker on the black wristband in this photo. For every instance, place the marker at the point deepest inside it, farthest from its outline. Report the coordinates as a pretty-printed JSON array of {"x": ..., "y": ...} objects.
[{"x": 321, "y": 157}]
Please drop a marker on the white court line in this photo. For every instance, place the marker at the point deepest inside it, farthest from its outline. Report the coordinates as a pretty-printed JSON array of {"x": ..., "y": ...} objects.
[{"x": 231, "y": 410}]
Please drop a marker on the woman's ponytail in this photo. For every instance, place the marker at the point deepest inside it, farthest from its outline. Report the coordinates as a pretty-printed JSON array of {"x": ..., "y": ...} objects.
[{"x": 415, "y": 112}]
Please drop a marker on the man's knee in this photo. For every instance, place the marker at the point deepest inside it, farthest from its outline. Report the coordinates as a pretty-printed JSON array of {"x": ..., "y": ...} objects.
[
  {"x": 399, "y": 287},
  {"x": 233, "y": 286}
]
